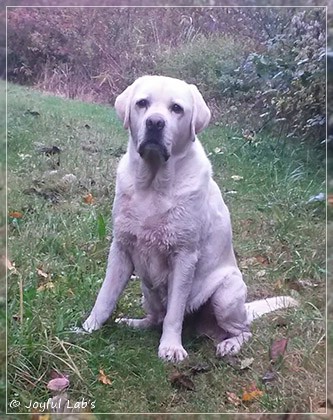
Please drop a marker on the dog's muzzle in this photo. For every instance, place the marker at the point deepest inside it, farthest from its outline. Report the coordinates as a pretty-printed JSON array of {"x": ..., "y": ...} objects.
[{"x": 153, "y": 148}]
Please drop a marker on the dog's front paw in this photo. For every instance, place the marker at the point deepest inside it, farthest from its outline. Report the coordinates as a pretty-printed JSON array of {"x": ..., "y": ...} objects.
[
  {"x": 91, "y": 324},
  {"x": 172, "y": 353}
]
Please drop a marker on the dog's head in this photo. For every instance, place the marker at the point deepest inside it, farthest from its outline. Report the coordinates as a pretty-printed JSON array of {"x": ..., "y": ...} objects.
[{"x": 163, "y": 115}]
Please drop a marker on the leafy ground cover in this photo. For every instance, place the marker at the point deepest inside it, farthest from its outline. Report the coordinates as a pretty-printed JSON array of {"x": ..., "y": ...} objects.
[{"x": 62, "y": 157}]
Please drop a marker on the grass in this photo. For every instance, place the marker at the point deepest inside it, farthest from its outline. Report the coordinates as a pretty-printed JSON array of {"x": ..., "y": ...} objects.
[
  {"x": 2, "y": 252},
  {"x": 279, "y": 239}
]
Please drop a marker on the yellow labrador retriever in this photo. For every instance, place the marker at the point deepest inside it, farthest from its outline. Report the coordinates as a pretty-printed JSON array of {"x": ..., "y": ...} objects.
[{"x": 172, "y": 227}]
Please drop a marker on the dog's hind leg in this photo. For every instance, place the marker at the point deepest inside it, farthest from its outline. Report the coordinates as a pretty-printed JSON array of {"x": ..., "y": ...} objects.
[{"x": 228, "y": 304}]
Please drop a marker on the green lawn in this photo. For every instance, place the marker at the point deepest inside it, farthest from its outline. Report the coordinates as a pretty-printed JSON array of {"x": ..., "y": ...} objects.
[
  {"x": 2, "y": 249},
  {"x": 279, "y": 239}
]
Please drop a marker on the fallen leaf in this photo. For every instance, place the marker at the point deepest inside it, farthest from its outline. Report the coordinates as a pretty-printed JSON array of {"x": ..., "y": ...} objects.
[
  {"x": 261, "y": 273},
  {"x": 181, "y": 380},
  {"x": 317, "y": 198},
  {"x": 42, "y": 273},
  {"x": 199, "y": 369},
  {"x": 261, "y": 259},
  {"x": 16, "y": 317},
  {"x": 330, "y": 199},
  {"x": 88, "y": 199},
  {"x": 252, "y": 393},
  {"x": 278, "y": 348},
  {"x": 45, "y": 286},
  {"x": 233, "y": 399},
  {"x": 103, "y": 378},
  {"x": 10, "y": 266},
  {"x": 278, "y": 284},
  {"x": 49, "y": 150},
  {"x": 248, "y": 134},
  {"x": 269, "y": 376},
  {"x": 246, "y": 262},
  {"x": 246, "y": 363},
  {"x": 237, "y": 177},
  {"x": 58, "y": 384},
  {"x": 32, "y": 112},
  {"x": 307, "y": 283},
  {"x": 15, "y": 214}
]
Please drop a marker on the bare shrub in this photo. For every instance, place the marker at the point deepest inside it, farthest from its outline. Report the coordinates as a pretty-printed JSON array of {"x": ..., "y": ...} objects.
[{"x": 258, "y": 67}]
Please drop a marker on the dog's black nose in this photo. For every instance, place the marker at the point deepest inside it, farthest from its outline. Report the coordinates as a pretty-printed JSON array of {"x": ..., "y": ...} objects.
[{"x": 155, "y": 122}]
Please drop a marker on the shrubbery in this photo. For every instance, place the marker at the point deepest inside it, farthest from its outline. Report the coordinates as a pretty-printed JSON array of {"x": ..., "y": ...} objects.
[
  {"x": 258, "y": 68},
  {"x": 286, "y": 82},
  {"x": 210, "y": 62}
]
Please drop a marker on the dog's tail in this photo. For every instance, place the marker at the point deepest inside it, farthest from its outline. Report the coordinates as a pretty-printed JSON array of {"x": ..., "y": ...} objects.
[{"x": 258, "y": 308}]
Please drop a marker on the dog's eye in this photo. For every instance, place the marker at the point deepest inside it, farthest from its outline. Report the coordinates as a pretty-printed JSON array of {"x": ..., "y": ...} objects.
[
  {"x": 177, "y": 109},
  {"x": 143, "y": 103}
]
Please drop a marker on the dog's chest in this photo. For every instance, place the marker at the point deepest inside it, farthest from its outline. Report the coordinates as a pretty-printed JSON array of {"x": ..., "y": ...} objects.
[{"x": 146, "y": 221}]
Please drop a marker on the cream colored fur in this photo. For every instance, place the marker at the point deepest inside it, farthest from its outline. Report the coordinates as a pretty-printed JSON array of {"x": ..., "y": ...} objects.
[{"x": 171, "y": 225}]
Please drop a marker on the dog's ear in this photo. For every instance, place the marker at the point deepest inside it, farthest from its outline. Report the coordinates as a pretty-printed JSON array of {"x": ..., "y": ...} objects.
[
  {"x": 122, "y": 105},
  {"x": 201, "y": 113}
]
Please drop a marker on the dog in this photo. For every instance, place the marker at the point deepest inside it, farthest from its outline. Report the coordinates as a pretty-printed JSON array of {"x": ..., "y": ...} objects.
[{"x": 171, "y": 226}]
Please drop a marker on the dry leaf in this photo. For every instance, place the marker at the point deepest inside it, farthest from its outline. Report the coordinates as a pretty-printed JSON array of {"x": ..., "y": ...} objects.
[
  {"x": 42, "y": 273},
  {"x": 46, "y": 286},
  {"x": 261, "y": 273},
  {"x": 261, "y": 259},
  {"x": 330, "y": 199},
  {"x": 58, "y": 384},
  {"x": 246, "y": 363},
  {"x": 237, "y": 177},
  {"x": 278, "y": 284},
  {"x": 15, "y": 214},
  {"x": 89, "y": 199},
  {"x": 307, "y": 283},
  {"x": 269, "y": 376},
  {"x": 103, "y": 378},
  {"x": 233, "y": 399},
  {"x": 180, "y": 380},
  {"x": 278, "y": 348},
  {"x": 252, "y": 393},
  {"x": 246, "y": 262},
  {"x": 199, "y": 368},
  {"x": 16, "y": 317},
  {"x": 10, "y": 266}
]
